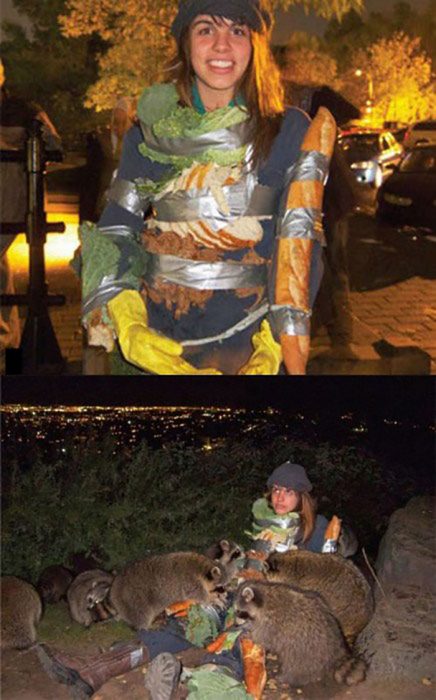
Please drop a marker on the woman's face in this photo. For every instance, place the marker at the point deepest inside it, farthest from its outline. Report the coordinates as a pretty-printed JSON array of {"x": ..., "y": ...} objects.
[
  {"x": 220, "y": 52},
  {"x": 284, "y": 500}
]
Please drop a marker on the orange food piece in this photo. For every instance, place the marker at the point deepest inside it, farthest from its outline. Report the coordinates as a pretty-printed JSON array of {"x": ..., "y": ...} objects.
[
  {"x": 333, "y": 529},
  {"x": 180, "y": 609},
  {"x": 217, "y": 644},
  {"x": 253, "y": 659}
]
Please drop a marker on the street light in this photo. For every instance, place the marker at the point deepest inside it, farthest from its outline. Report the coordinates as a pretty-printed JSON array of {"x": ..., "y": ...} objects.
[
  {"x": 370, "y": 101},
  {"x": 358, "y": 73}
]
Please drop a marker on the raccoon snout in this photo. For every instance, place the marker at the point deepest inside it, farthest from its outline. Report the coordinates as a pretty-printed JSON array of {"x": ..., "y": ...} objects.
[{"x": 242, "y": 617}]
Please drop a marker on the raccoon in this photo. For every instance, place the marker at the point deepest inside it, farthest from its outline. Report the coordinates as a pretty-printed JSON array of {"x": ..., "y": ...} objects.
[
  {"x": 228, "y": 554},
  {"x": 53, "y": 583},
  {"x": 21, "y": 609},
  {"x": 146, "y": 587},
  {"x": 87, "y": 591},
  {"x": 338, "y": 580},
  {"x": 299, "y": 628}
]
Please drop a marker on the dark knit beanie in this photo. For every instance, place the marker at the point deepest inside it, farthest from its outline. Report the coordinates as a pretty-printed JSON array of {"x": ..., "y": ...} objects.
[
  {"x": 291, "y": 476},
  {"x": 248, "y": 11}
]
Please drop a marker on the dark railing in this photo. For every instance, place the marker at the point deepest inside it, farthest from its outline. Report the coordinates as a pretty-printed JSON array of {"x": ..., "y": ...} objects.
[{"x": 39, "y": 352}]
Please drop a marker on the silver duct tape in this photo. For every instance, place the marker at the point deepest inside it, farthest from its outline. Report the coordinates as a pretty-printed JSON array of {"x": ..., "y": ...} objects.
[
  {"x": 222, "y": 140},
  {"x": 204, "y": 275},
  {"x": 246, "y": 322},
  {"x": 125, "y": 193},
  {"x": 289, "y": 321},
  {"x": 195, "y": 204},
  {"x": 283, "y": 522},
  {"x": 108, "y": 288},
  {"x": 302, "y": 222},
  {"x": 310, "y": 165},
  {"x": 117, "y": 230}
]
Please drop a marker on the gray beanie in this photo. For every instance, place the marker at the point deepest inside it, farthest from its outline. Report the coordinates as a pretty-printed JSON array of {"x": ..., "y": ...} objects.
[
  {"x": 248, "y": 11},
  {"x": 291, "y": 476}
]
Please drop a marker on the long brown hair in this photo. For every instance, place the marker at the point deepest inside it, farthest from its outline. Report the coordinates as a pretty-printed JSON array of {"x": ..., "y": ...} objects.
[
  {"x": 306, "y": 508},
  {"x": 261, "y": 87}
]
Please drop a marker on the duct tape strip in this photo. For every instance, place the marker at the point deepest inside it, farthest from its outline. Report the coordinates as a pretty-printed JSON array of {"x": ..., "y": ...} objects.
[
  {"x": 302, "y": 222},
  {"x": 289, "y": 321},
  {"x": 125, "y": 193},
  {"x": 221, "y": 140},
  {"x": 108, "y": 288},
  {"x": 204, "y": 275}
]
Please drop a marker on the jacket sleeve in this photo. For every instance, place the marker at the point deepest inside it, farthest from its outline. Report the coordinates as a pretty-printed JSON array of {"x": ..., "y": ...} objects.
[
  {"x": 126, "y": 205},
  {"x": 299, "y": 228},
  {"x": 316, "y": 542}
]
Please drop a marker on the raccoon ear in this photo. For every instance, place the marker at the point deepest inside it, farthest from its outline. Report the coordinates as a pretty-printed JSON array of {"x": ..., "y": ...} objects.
[
  {"x": 225, "y": 545},
  {"x": 247, "y": 594},
  {"x": 215, "y": 573}
]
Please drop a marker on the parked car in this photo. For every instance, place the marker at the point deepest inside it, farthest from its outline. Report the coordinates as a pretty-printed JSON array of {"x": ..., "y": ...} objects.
[
  {"x": 421, "y": 132},
  {"x": 409, "y": 195},
  {"x": 369, "y": 153}
]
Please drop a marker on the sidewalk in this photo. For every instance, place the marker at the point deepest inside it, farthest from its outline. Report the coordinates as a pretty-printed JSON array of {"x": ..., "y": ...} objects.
[{"x": 403, "y": 314}]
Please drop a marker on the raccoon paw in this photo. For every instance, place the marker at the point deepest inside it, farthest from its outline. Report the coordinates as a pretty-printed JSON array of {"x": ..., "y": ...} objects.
[{"x": 351, "y": 671}]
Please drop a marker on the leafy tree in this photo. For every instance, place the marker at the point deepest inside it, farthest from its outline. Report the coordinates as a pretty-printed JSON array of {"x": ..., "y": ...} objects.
[
  {"x": 401, "y": 76},
  {"x": 49, "y": 68},
  {"x": 305, "y": 62},
  {"x": 354, "y": 32},
  {"x": 139, "y": 43}
]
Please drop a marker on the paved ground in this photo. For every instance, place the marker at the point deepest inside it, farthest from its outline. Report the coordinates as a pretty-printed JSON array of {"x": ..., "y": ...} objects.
[{"x": 393, "y": 294}]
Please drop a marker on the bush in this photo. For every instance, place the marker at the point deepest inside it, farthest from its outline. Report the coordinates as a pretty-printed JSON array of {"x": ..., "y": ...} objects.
[{"x": 124, "y": 505}]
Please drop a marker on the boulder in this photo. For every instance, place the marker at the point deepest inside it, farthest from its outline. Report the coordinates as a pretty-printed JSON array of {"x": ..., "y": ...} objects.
[{"x": 400, "y": 639}]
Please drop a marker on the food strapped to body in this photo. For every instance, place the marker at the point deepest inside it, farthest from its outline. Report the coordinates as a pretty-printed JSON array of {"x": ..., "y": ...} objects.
[
  {"x": 270, "y": 532},
  {"x": 228, "y": 261},
  {"x": 331, "y": 535}
]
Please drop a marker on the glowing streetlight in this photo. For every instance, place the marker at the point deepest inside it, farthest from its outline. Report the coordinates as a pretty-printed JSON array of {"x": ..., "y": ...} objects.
[{"x": 358, "y": 73}]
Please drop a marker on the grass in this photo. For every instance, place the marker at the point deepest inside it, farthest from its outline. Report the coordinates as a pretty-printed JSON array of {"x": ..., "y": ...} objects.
[{"x": 58, "y": 629}]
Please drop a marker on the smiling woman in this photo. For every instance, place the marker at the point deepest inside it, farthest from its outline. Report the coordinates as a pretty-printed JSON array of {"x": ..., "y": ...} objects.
[
  {"x": 220, "y": 52},
  {"x": 221, "y": 276}
]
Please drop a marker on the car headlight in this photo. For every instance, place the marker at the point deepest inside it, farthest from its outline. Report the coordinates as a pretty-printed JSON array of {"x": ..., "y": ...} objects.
[
  {"x": 395, "y": 199},
  {"x": 362, "y": 165}
]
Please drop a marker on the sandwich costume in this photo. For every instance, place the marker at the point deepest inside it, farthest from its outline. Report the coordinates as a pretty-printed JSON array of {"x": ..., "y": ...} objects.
[{"x": 202, "y": 263}]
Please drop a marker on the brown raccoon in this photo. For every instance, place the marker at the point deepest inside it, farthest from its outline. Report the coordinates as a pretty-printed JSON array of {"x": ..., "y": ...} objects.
[
  {"x": 146, "y": 587},
  {"x": 299, "y": 628},
  {"x": 53, "y": 583},
  {"x": 85, "y": 593},
  {"x": 227, "y": 554},
  {"x": 21, "y": 610},
  {"x": 338, "y": 580}
]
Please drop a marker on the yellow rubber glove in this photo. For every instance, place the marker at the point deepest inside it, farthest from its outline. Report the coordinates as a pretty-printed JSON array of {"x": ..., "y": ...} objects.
[
  {"x": 142, "y": 346},
  {"x": 267, "y": 354}
]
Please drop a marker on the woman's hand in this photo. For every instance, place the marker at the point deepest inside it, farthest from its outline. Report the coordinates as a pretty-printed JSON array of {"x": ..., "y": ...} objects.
[{"x": 141, "y": 345}]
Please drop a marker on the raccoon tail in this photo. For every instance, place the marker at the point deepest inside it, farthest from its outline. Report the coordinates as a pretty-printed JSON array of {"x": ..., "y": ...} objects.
[{"x": 351, "y": 671}]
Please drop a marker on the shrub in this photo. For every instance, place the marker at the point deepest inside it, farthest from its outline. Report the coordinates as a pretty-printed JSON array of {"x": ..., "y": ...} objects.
[{"x": 124, "y": 505}]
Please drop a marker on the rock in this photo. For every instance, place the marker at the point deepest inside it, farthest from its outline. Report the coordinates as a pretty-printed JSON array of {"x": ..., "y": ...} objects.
[
  {"x": 407, "y": 551},
  {"x": 399, "y": 640}
]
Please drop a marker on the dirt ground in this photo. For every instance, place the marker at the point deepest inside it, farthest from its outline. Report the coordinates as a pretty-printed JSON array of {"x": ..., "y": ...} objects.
[{"x": 23, "y": 678}]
